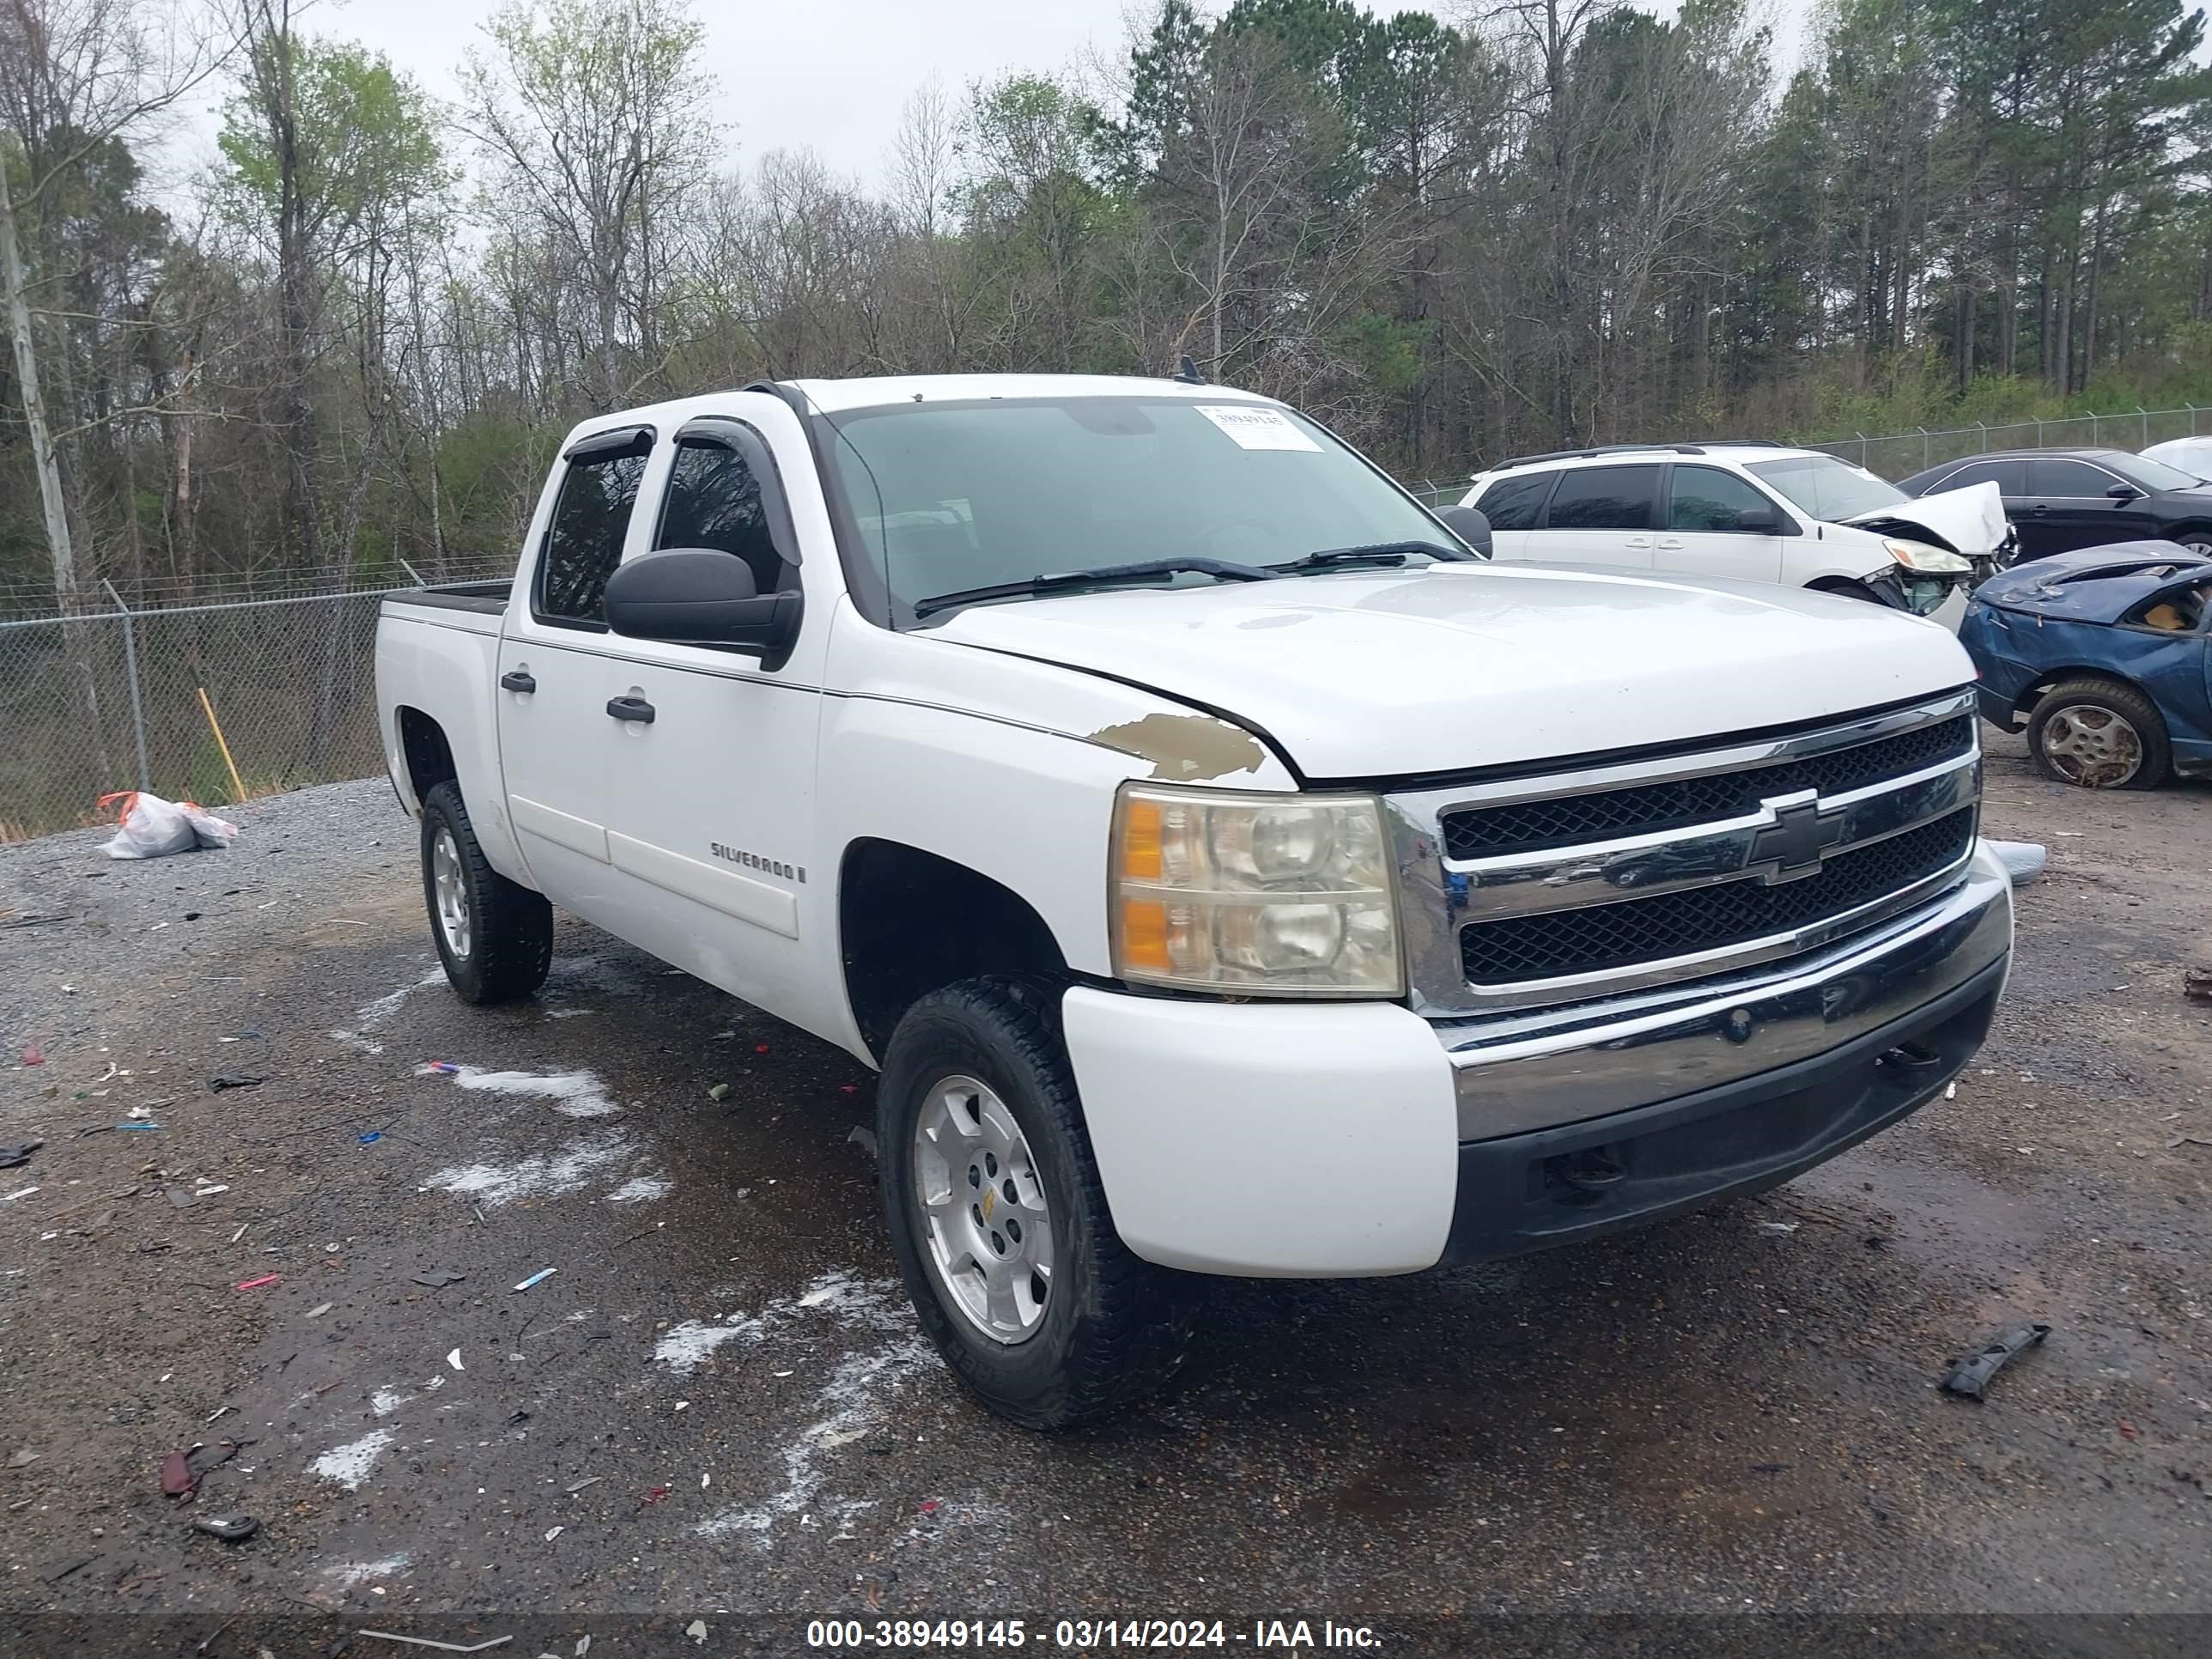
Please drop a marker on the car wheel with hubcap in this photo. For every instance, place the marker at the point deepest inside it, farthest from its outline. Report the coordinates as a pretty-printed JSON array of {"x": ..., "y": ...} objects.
[
  {"x": 2099, "y": 734},
  {"x": 998, "y": 1219},
  {"x": 495, "y": 936}
]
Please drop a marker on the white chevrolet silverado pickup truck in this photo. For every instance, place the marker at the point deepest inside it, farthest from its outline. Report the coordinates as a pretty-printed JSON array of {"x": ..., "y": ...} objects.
[{"x": 1227, "y": 870}]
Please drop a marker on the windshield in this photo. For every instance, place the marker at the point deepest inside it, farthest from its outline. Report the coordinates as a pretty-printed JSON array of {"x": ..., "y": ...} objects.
[
  {"x": 954, "y": 496},
  {"x": 2146, "y": 474},
  {"x": 1824, "y": 487}
]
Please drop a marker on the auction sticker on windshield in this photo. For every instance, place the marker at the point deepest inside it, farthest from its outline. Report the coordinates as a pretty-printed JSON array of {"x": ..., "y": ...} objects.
[{"x": 1254, "y": 427}]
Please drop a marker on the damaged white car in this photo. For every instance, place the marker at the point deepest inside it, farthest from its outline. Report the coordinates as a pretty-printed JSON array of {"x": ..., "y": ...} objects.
[{"x": 1753, "y": 512}]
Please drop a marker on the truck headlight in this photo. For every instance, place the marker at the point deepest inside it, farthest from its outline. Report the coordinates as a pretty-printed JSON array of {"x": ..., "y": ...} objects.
[
  {"x": 1266, "y": 895},
  {"x": 1926, "y": 561}
]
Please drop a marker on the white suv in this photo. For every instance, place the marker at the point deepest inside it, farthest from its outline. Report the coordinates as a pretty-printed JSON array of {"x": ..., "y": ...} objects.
[{"x": 1754, "y": 512}]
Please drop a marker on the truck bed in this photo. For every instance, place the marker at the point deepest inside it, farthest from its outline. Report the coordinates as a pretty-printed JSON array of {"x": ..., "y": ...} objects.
[{"x": 486, "y": 598}]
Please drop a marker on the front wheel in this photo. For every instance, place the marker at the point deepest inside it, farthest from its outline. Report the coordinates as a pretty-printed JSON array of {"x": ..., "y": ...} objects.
[
  {"x": 2099, "y": 734},
  {"x": 495, "y": 936},
  {"x": 998, "y": 1219}
]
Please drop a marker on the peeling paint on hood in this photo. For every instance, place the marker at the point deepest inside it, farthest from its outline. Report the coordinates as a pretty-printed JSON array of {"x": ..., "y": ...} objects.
[{"x": 1186, "y": 748}]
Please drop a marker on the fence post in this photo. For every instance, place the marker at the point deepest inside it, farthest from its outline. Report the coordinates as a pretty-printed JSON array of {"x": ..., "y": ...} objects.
[
  {"x": 130, "y": 669},
  {"x": 1862, "y": 453},
  {"x": 2146, "y": 424},
  {"x": 413, "y": 573},
  {"x": 1985, "y": 426},
  {"x": 1924, "y": 462},
  {"x": 2039, "y": 432},
  {"x": 2192, "y": 419}
]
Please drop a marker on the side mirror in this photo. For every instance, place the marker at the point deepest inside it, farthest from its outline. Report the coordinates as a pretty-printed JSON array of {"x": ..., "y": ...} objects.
[
  {"x": 1470, "y": 525},
  {"x": 2122, "y": 492},
  {"x": 1756, "y": 521},
  {"x": 702, "y": 596}
]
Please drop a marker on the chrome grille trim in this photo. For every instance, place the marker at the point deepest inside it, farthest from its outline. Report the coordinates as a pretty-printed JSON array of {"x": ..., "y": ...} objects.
[{"x": 1439, "y": 894}]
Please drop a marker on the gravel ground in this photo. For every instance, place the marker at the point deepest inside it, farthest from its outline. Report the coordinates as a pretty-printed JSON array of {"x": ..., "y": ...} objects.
[{"x": 718, "y": 1407}]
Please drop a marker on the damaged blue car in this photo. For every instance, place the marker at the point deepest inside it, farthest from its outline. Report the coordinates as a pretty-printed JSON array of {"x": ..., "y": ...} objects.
[{"x": 2105, "y": 654}]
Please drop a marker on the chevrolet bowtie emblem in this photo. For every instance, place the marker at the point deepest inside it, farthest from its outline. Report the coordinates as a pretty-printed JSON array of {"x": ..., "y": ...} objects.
[{"x": 1794, "y": 843}]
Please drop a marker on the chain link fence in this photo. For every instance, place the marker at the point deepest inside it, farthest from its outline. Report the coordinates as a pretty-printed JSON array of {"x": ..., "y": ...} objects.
[
  {"x": 207, "y": 702},
  {"x": 1900, "y": 454}
]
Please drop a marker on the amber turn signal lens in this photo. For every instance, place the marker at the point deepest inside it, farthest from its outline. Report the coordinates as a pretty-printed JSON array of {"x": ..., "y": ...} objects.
[
  {"x": 1140, "y": 842},
  {"x": 1144, "y": 935}
]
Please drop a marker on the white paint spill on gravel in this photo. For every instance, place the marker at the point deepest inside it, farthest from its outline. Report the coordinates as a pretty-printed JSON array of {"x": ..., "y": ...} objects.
[
  {"x": 572, "y": 1094},
  {"x": 540, "y": 1175},
  {"x": 641, "y": 1189},
  {"x": 683, "y": 1348},
  {"x": 349, "y": 1464},
  {"x": 371, "y": 1017},
  {"x": 856, "y": 1401},
  {"x": 347, "y": 1574}
]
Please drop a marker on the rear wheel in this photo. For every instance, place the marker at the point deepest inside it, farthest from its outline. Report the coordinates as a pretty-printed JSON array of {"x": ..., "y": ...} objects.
[
  {"x": 2197, "y": 537},
  {"x": 2099, "y": 734},
  {"x": 998, "y": 1219},
  {"x": 495, "y": 936}
]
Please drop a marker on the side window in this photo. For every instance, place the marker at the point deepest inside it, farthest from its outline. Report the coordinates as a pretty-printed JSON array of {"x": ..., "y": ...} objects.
[
  {"x": 2075, "y": 478},
  {"x": 714, "y": 500},
  {"x": 1605, "y": 498},
  {"x": 584, "y": 543},
  {"x": 1706, "y": 498},
  {"x": 1514, "y": 503},
  {"x": 2009, "y": 477}
]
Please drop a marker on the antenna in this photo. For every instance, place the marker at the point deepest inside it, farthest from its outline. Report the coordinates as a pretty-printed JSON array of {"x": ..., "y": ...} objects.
[{"x": 1187, "y": 371}]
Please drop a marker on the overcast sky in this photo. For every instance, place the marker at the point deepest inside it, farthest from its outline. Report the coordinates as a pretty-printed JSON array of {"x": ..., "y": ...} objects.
[{"x": 829, "y": 74}]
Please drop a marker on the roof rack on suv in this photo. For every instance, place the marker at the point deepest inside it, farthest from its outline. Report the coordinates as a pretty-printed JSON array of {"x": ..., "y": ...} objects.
[{"x": 1600, "y": 449}]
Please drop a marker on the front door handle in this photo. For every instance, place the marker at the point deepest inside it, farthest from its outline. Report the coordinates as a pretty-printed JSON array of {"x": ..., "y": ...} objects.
[
  {"x": 2038, "y": 509},
  {"x": 517, "y": 679},
  {"x": 636, "y": 709},
  {"x": 1639, "y": 542}
]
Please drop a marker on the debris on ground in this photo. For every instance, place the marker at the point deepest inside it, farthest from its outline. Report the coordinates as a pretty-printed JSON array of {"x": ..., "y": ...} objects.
[
  {"x": 591, "y": 1480},
  {"x": 319, "y": 1311},
  {"x": 20, "y": 1153},
  {"x": 20, "y": 1192},
  {"x": 425, "y": 1642},
  {"x": 2023, "y": 861},
  {"x": 1970, "y": 1376},
  {"x": 178, "y": 1479},
  {"x": 371, "y": 1138},
  {"x": 454, "y": 1360},
  {"x": 443, "y": 1067},
  {"x": 148, "y": 827},
  {"x": 234, "y": 1080},
  {"x": 231, "y": 1529},
  {"x": 719, "y": 1093},
  {"x": 864, "y": 1138},
  {"x": 537, "y": 1278},
  {"x": 654, "y": 1495},
  {"x": 2189, "y": 1140},
  {"x": 2195, "y": 983},
  {"x": 34, "y": 1055},
  {"x": 265, "y": 1281},
  {"x": 438, "y": 1278}
]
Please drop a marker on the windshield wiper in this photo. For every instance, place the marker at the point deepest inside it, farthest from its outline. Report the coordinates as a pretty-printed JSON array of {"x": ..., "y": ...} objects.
[
  {"x": 1222, "y": 569},
  {"x": 1383, "y": 553}
]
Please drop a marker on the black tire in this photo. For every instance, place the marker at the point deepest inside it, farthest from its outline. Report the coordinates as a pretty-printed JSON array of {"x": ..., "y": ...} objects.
[
  {"x": 510, "y": 928},
  {"x": 1113, "y": 1327},
  {"x": 2114, "y": 697}
]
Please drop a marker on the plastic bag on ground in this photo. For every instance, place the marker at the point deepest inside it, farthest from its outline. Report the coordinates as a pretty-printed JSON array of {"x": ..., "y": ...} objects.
[{"x": 148, "y": 827}]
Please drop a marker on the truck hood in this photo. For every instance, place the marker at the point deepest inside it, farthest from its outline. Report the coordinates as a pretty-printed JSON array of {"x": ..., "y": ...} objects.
[
  {"x": 1970, "y": 522},
  {"x": 1457, "y": 666}
]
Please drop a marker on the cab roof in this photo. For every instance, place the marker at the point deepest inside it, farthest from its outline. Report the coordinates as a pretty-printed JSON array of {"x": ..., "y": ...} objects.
[{"x": 1738, "y": 450}]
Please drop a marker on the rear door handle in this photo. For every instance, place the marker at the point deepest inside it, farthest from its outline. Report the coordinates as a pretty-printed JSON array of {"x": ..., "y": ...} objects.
[
  {"x": 517, "y": 679},
  {"x": 1637, "y": 542},
  {"x": 1671, "y": 542},
  {"x": 630, "y": 708}
]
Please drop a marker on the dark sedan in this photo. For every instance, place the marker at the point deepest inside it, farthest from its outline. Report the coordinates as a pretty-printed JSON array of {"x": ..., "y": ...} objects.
[
  {"x": 2062, "y": 499},
  {"x": 2106, "y": 654}
]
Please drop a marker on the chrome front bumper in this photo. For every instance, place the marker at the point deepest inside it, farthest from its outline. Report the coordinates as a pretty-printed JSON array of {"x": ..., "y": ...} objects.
[{"x": 1514, "y": 1073}]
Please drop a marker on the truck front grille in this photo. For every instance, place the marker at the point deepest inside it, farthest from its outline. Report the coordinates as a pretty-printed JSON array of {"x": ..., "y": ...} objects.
[
  {"x": 1641, "y": 809},
  {"x": 1525, "y": 892},
  {"x": 1598, "y": 936}
]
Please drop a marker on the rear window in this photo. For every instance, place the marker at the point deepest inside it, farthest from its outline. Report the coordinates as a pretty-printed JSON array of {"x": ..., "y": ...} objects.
[
  {"x": 1605, "y": 498},
  {"x": 2009, "y": 477},
  {"x": 1514, "y": 503}
]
